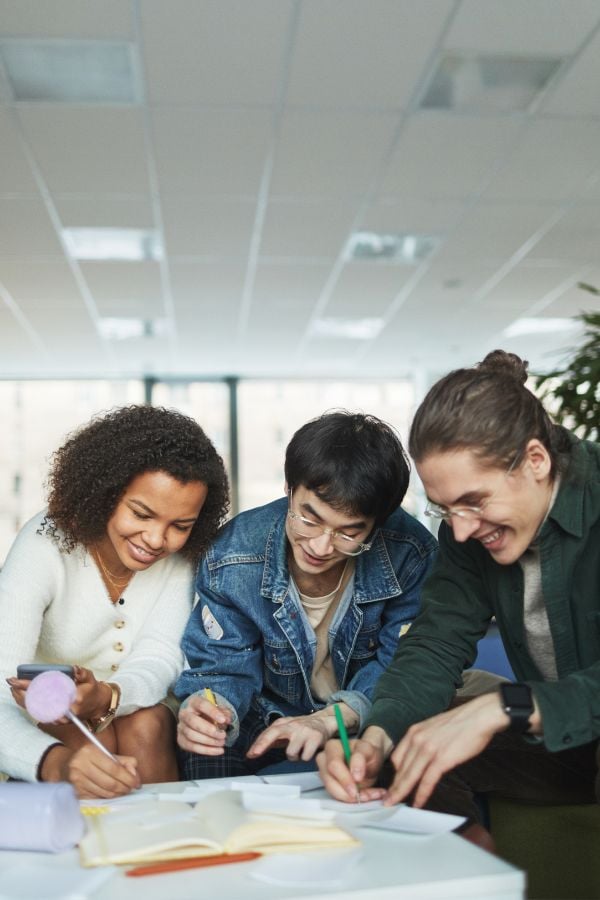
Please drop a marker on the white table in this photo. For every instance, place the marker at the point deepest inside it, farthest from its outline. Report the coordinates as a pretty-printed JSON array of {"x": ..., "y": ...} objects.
[{"x": 391, "y": 865}]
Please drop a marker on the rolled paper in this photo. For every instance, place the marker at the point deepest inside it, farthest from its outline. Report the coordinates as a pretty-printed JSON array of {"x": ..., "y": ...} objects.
[{"x": 39, "y": 817}]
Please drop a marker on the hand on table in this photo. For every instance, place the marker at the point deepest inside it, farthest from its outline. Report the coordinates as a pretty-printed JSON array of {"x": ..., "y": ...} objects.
[
  {"x": 431, "y": 748},
  {"x": 202, "y": 726},
  {"x": 301, "y": 735}
]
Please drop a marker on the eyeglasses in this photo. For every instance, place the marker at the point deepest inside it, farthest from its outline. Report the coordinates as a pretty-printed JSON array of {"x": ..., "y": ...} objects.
[
  {"x": 309, "y": 529},
  {"x": 467, "y": 513}
]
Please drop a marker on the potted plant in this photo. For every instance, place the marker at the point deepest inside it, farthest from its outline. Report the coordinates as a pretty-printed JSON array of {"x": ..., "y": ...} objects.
[{"x": 574, "y": 390}]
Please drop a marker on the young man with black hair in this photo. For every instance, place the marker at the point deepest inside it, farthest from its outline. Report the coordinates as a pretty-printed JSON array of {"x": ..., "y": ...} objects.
[{"x": 301, "y": 603}]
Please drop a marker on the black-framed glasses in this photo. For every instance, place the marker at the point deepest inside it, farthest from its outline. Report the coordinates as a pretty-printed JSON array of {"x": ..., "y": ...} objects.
[
  {"x": 307, "y": 528},
  {"x": 467, "y": 513}
]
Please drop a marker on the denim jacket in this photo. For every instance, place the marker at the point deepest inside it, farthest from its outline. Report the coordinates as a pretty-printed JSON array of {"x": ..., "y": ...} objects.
[{"x": 249, "y": 640}]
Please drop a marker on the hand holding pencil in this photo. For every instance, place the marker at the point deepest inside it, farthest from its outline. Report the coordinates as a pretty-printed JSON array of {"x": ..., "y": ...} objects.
[
  {"x": 349, "y": 772},
  {"x": 203, "y": 724}
]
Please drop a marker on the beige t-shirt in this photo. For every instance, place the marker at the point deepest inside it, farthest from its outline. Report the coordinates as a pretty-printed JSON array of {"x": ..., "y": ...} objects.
[{"x": 319, "y": 612}]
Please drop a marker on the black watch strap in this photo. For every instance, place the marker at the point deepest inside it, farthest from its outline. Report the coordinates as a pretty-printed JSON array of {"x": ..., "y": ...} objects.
[{"x": 517, "y": 703}]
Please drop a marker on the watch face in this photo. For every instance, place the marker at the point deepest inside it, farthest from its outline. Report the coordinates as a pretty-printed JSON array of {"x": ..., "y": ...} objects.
[{"x": 518, "y": 695}]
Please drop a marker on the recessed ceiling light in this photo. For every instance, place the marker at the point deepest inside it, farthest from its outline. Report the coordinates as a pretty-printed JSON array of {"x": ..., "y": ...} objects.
[
  {"x": 64, "y": 71},
  {"x": 125, "y": 244},
  {"x": 354, "y": 329},
  {"x": 488, "y": 83},
  {"x": 398, "y": 248},
  {"x": 122, "y": 328},
  {"x": 539, "y": 325}
]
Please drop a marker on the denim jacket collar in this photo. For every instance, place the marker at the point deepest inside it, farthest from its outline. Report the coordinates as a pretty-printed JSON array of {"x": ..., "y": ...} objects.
[{"x": 371, "y": 582}]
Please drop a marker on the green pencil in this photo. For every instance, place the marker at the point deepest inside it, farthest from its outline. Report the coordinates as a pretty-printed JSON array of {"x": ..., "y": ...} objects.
[{"x": 344, "y": 739}]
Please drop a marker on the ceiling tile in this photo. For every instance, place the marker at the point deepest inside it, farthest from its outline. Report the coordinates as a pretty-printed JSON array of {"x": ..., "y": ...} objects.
[
  {"x": 15, "y": 174},
  {"x": 292, "y": 283},
  {"x": 216, "y": 151},
  {"x": 527, "y": 285},
  {"x": 534, "y": 27},
  {"x": 82, "y": 148},
  {"x": 575, "y": 237},
  {"x": 577, "y": 94},
  {"x": 349, "y": 55},
  {"x": 447, "y": 157},
  {"x": 104, "y": 210},
  {"x": 365, "y": 289},
  {"x": 113, "y": 282},
  {"x": 420, "y": 215},
  {"x": 198, "y": 227},
  {"x": 553, "y": 161},
  {"x": 25, "y": 228},
  {"x": 214, "y": 51},
  {"x": 495, "y": 232},
  {"x": 327, "y": 155},
  {"x": 196, "y": 285},
  {"x": 309, "y": 229},
  {"x": 66, "y": 18},
  {"x": 44, "y": 282}
]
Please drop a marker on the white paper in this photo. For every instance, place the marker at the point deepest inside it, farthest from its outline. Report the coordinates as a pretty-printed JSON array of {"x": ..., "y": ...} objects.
[
  {"x": 37, "y": 881},
  {"x": 327, "y": 869},
  {"x": 267, "y": 790},
  {"x": 417, "y": 821},
  {"x": 342, "y": 808},
  {"x": 306, "y": 781},
  {"x": 225, "y": 783},
  {"x": 295, "y": 808}
]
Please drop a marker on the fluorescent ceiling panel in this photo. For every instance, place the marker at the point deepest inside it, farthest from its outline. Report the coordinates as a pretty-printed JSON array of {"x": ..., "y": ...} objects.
[
  {"x": 122, "y": 328},
  {"x": 70, "y": 71},
  {"x": 488, "y": 83},
  {"x": 398, "y": 248},
  {"x": 539, "y": 325},
  {"x": 126, "y": 244}
]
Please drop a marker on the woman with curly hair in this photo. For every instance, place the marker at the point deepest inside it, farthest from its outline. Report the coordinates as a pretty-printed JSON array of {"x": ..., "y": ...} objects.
[{"x": 103, "y": 580}]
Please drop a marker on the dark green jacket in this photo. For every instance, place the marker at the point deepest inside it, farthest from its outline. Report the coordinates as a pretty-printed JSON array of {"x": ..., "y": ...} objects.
[{"x": 466, "y": 588}]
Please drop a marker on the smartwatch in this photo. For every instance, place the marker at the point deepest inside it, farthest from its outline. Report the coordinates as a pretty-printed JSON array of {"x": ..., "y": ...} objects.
[
  {"x": 104, "y": 721},
  {"x": 517, "y": 703}
]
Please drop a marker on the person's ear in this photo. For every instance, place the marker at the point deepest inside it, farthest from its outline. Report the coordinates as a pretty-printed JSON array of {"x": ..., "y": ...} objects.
[
  {"x": 286, "y": 489},
  {"x": 538, "y": 458}
]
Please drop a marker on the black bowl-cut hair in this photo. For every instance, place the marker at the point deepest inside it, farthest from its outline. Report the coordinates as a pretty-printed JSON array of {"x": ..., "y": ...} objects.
[{"x": 351, "y": 461}]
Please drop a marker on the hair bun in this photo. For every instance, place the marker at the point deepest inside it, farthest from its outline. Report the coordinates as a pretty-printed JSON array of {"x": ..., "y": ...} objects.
[{"x": 499, "y": 362}]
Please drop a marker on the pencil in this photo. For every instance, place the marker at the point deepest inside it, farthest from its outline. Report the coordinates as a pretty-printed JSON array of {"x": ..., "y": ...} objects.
[
  {"x": 210, "y": 696},
  {"x": 345, "y": 742},
  {"x": 197, "y": 862}
]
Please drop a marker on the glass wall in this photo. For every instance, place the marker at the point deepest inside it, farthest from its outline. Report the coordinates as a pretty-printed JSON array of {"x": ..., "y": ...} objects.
[
  {"x": 36, "y": 417},
  {"x": 250, "y": 423},
  {"x": 270, "y": 412}
]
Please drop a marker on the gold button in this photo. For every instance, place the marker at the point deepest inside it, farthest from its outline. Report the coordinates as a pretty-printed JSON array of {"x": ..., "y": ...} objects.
[
  {"x": 114, "y": 667},
  {"x": 118, "y": 647},
  {"x": 120, "y": 623}
]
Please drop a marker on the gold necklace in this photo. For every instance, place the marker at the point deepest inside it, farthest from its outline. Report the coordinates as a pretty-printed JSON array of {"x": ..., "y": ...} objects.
[{"x": 117, "y": 584}]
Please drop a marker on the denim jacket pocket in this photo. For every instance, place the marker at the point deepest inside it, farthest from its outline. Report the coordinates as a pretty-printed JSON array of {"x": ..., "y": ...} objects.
[
  {"x": 282, "y": 672},
  {"x": 364, "y": 650},
  {"x": 365, "y": 645}
]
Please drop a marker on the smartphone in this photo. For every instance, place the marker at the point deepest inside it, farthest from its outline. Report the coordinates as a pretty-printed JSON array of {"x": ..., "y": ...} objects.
[{"x": 30, "y": 670}]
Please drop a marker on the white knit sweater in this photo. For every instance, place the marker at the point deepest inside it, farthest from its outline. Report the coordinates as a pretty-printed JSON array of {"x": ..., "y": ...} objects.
[{"x": 55, "y": 608}]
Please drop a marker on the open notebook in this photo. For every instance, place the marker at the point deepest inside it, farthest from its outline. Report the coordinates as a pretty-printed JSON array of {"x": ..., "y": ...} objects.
[{"x": 170, "y": 829}]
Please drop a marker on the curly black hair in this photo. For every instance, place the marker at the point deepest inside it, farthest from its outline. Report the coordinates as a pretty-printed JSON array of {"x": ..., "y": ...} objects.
[{"x": 92, "y": 470}]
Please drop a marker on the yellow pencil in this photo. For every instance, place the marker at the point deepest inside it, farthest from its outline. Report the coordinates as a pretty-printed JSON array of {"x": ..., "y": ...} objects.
[{"x": 210, "y": 696}]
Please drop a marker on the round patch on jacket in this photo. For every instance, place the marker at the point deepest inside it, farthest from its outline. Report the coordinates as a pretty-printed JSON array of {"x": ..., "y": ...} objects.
[{"x": 211, "y": 626}]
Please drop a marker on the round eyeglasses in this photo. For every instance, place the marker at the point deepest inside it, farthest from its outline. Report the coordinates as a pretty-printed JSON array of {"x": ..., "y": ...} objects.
[
  {"x": 307, "y": 528},
  {"x": 467, "y": 513}
]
